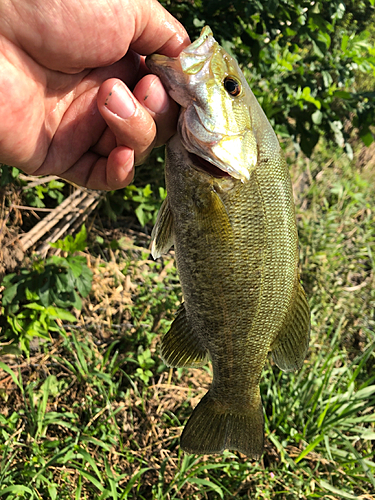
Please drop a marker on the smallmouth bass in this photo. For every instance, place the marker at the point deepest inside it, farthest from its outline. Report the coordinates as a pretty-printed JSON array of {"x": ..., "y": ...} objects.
[{"x": 230, "y": 215}]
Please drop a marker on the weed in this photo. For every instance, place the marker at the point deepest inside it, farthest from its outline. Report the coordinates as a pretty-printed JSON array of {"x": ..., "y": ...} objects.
[
  {"x": 35, "y": 300},
  {"x": 36, "y": 195}
]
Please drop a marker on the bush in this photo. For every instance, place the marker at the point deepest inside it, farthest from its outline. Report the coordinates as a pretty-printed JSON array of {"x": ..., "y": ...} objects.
[
  {"x": 35, "y": 300},
  {"x": 304, "y": 61}
]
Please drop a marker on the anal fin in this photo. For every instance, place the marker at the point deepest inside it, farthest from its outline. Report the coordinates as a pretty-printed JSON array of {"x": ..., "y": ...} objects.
[
  {"x": 181, "y": 346},
  {"x": 290, "y": 347}
]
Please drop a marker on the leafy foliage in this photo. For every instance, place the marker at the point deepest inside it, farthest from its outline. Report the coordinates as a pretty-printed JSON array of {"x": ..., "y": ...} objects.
[
  {"x": 8, "y": 174},
  {"x": 141, "y": 200},
  {"x": 34, "y": 300},
  {"x": 302, "y": 60},
  {"x": 146, "y": 205},
  {"x": 35, "y": 196}
]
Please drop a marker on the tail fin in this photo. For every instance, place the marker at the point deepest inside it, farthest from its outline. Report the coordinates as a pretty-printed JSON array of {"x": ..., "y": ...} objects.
[{"x": 212, "y": 428}]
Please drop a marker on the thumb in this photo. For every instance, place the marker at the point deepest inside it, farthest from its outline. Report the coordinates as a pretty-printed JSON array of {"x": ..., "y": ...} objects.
[{"x": 138, "y": 121}]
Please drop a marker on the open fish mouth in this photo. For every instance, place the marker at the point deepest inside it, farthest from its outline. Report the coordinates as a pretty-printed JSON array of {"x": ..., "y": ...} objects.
[{"x": 207, "y": 167}]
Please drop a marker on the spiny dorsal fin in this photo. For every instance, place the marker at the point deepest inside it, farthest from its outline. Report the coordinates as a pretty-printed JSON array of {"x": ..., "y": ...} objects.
[
  {"x": 291, "y": 345},
  {"x": 162, "y": 234},
  {"x": 181, "y": 346}
]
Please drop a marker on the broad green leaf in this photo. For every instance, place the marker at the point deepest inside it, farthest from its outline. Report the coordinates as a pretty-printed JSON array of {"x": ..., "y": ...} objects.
[
  {"x": 325, "y": 38},
  {"x": 84, "y": 283},
  {"x": 327, "y": 79},
  {"x": 70, "y": 244},
  {"x": 75, "y": 265},
  {"x": 77, "y": 302},
  {"x": 147, "y": 191},
  {"x": 52, "y": 490},
  {"x": 9, "y": 294},
  {"x": 35, "y": 306},
  {"x": 139, "y": 212},
  {"x": 343, "y": 94},
  {"x": 15, "y": 489},
  {"x": 57, "y": 312},
  {"x": 205, "y": 482},
  {"x": 80, "y": 241},
  {"x": 8, "y": 370},
  {"x": 306, "y": 95},
  {"x": 337, "y": 491}
]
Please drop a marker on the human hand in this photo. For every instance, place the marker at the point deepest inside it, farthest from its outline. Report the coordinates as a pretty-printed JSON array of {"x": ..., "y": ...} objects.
[{"x": 64, "y": 106}]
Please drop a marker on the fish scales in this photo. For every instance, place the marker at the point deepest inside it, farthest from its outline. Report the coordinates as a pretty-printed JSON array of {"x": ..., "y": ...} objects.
[{"x": 235, "y": 236}]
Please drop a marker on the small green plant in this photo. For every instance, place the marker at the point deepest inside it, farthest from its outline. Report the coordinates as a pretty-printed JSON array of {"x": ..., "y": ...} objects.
[
  {"x": 8, "y": 175},
  {"x": 146, "y": 362},
  {"x": 36, "y": 195},
  {"x": 36, "y": 300},
  {"x": 144, "y": 202}
]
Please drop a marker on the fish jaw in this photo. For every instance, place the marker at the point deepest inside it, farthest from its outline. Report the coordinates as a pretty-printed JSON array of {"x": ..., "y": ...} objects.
[{"x": 212, "y": 124}]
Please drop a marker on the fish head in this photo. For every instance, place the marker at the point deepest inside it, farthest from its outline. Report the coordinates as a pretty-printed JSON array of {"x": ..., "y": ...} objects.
[{"x": 215, "y": 123}]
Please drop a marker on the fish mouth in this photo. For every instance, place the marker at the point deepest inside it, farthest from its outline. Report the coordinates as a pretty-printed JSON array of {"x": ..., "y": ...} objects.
[{"x": 207, "y": 167}]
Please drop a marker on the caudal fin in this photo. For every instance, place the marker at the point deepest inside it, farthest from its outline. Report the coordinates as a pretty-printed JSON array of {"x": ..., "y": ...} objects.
[{"x": 212, "y": 428}]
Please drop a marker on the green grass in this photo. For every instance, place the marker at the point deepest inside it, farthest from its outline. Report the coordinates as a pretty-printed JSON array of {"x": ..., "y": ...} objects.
[{"x": 95, "y": 414}]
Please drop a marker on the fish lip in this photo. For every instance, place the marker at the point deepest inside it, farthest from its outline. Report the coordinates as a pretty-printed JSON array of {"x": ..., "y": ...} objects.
[{"x": 207, "y": 167}]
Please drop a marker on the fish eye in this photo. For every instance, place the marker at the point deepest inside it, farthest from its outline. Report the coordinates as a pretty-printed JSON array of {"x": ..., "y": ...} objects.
[{"x": 232, "y": 86}]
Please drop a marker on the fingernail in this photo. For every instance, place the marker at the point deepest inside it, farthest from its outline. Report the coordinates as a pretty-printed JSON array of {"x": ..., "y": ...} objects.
[
  {"x": 156, "y": 98},
  {"x": 120, "y": 102}
]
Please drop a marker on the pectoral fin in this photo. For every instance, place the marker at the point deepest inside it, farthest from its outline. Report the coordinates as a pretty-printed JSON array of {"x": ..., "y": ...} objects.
[
  {"x": 181, "y": 346},
  {"x": 290, "y": 347},
  {"x": 162, "y": 234},
  {"x": 214, "y": 220}
]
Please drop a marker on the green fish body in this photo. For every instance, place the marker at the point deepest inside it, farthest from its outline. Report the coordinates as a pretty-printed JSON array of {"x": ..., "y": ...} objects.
[{"x": 230, "y": 215}]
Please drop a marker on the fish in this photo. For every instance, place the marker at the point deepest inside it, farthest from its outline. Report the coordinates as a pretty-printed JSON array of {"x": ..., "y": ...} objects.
[{"x": 230, "y": 214}]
